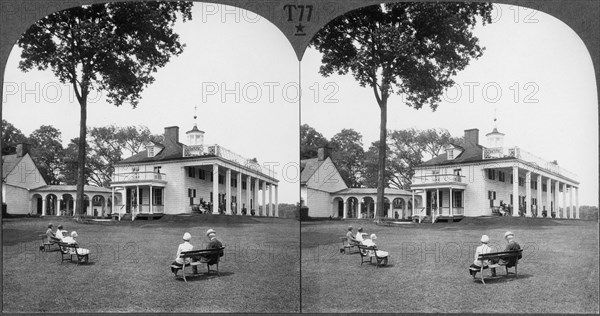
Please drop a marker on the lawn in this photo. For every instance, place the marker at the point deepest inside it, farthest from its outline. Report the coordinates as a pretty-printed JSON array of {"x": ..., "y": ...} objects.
[
  {"x": 129, "y": 267},
  {"x": 429, "y": 262}
]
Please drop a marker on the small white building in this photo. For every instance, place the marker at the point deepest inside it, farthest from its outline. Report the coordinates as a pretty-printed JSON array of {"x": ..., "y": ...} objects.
[
  {"x": 325, "y": 193},
  {"x": 25, "y": 191},
  {"x": 175, "y": 178},
  {"x": 473, "y": 180}
]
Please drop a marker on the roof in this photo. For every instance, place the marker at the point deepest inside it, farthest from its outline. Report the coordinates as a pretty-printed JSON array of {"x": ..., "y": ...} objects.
[
  {"x": 9, "y": 162},
  {"x": 473, "y": 153},
  {"x": 194, "y": 130},
  {"x": 71, "y": 188},
  {"x": 171, "y": 150},
  {"x": 358, "y": 191},
  {"x": 495, "y": 131},
  {"x": 308, "y": 167}
]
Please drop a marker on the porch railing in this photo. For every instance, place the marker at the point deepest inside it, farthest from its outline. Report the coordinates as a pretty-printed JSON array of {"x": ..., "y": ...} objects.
[
  {"x": 138, "y": 176},
  {"x": 519, "y": 153},
  {"x": 445, "y": 211},
  {"x": 437, "y": 178}
]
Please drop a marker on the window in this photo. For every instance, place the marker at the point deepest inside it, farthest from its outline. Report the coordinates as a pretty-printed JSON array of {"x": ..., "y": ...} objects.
[
  {"x": 534, "y": 185},
  {"x": 511, "y": 179},
  {"x": 150, "y": 151},
  {"x": 244, "y": 185},
  {"x": 457, "y": 199},
  {"x": 435, "y": 174},
  {"x": 450, "y": 154},
  {"x": 191, "y": 195},
  {"x": 202, "y": 174},
  {"x": 234, "y": 182},
  {"x": 191, "y": 172},
  {"x": 157, "y": 196},
  {"x": 544, "y": 187},
  {"x": 501, "y": 176},
  {"x": 221, "y": 179},
  {"x": 211, "y": 177},
  {"x": 521, "y": 181},
  {"x": 491, "y": 174},
  {"x": 457, "y": 172}
]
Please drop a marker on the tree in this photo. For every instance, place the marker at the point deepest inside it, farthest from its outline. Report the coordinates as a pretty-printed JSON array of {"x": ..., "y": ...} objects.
[
  {"x": 134, "y": 138},
  {"x": 46, "y": 151},
  {"x": 310, "y": 141},
  {"x": 114, "y": 47},
  {"x": 11, "y": 136},
  {"x": 408, "y": 48},
  {"x": 348, "y": 155}
]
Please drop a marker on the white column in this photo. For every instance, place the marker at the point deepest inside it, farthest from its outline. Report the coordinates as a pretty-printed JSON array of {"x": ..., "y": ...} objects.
[
  {"x": 528, "y": 194},
  {"x": 577, "y": 202},
  {"x": 248, "y": 194},
  {"x": 215, "y": 196},
  {"x": 150, "y": 202},
  {"x": 74, "y": 206},
  {"x": 43, "y": 205},
  {"x": 539, "y": 203},
  {"x": 556, "y": 191},
  {"x": 451, "y": 207},
  {"x": 564, "y": 201},
  {"x": 571, "y": 210},
  {"x": 228, "y": 191},
  {"x": 345, "y": 207},
  {"x": 276, "y": 214},
  {"x": 256, "y": 188},
  {"x": 412, "y": 206},
  {"x": 515, "y": 201},
  {"x": 437, "y": 198},
  {"x": 548, "y": 196},
  {"x": 112, "y": 204},
  {"x": 374, "y": 207},
  {"x": 238, "y": 199},
  {"x": 270, "y": 206},
  {"x": 138, "y": 200},
  {"x": 358, "y": 210},
  {"x": 57, "y": 205},
  {"x": 263, "y": 209}
]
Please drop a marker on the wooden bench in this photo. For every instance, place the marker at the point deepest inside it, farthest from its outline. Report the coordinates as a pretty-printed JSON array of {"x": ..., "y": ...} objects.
[
  {"x": 346, "y": 246},
  {"x": 366, "y": 254},
  {"x": 47, "y": 245},
  {"x": 209, "y": 257},
  {"x": 516, "y": 254},
  {"x": 70, "y": 250}
]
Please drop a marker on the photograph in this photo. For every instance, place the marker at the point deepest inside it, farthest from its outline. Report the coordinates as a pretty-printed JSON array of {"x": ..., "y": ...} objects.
[
  {"x": 455, "y": 137},
  {"x": 189, "y": 116}
]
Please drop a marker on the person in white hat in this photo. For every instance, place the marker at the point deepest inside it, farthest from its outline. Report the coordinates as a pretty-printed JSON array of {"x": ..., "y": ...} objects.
[
  {"x": 214, "y": 243},
  {"x": 185, "y": 246},
  {"x": 482, "y": 249},
  {"x": 72, "y": 240},
  {"x": 511, "y": 245},
  {"x": 380, "y": 253}
]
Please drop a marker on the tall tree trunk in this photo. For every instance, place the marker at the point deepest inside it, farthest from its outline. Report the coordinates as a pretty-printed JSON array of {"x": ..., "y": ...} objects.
[
  {"x": 381, "y": 159},
  {"x": 81, "y": 158}
]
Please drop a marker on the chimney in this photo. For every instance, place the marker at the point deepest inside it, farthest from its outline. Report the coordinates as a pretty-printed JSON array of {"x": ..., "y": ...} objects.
[
  {"x": 322, "y": 153},
  {"x": 172, "y": 134},
  {"x": 22, "y": 149},
  {"x": 471, "y": 137}
]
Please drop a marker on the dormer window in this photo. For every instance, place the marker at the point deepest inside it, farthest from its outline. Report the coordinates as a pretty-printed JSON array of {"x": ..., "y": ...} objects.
[
  {"x": 451, "y": 154},
  {"x": 452, "y": 151},
  {"x": 151, "y": 151}
]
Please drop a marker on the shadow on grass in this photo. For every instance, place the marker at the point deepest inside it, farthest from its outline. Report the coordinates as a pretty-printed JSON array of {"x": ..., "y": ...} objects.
[
  {"x": 502, "y": 278},
  {"x": 203, "y": 276},
  {"x": 387, "y": 266}
]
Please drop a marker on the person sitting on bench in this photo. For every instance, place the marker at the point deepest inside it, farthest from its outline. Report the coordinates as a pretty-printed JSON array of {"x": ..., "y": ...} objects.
[
  {"x": 482, "y": 249},
  {"x": 350, "y": 237},
  {"x": 185, "y": 246},
  {"x": 60, "y": 233},
  {"x": 72, "y": 241},
  {"x": 511, "y": 245},
  {"x": 214, "y": 243},
  {"x": 369, "y": 242},
  {"x": 51, "y": 237},
  {"x": 359, "y": 235}
]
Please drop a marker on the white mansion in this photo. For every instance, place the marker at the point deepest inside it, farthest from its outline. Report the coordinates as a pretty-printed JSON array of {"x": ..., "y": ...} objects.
[
  {"x": 175, "y": 178},
  {"x": 473, "y": 180}
]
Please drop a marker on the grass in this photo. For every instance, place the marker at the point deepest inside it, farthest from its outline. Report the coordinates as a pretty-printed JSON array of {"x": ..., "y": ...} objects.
[
  {"x": 429, "y": 262},
  {"x": 129, "y": 267}
]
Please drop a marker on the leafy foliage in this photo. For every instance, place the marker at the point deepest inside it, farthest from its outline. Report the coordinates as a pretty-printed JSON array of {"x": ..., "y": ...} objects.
[
  {"x": 11, "y": 136},
  {"x": 47, "y": 152},
  {"x": 310, "y": 141},
  {"x": 409, "y": 48},
  {"x": 349, "y": 155}
]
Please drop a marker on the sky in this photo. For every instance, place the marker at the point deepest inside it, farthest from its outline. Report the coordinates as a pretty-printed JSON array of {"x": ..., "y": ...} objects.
[
  {"x": 237, "y": 68},
  {"x": 535, "y": 75}
]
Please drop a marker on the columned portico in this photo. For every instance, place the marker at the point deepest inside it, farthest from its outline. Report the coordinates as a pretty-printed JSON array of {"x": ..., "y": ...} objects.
[
  {"x": 256, "y": 188},
  {"x": 276, "y": 212},
  {"x": 571, "y": 211},
  {"x": 556, "y": 195},
  {"x": 248, "y": 194},
  {"x": 528, "y": 194},
  {"x": 564, "y": 201},
  {"x": 345, "y": 206},
  {"x": 539, "y": 202},
  {"x": 270, "y": 206},
  {"x": 577, "y": 202},
  {"x": 263, "y": 208}
]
